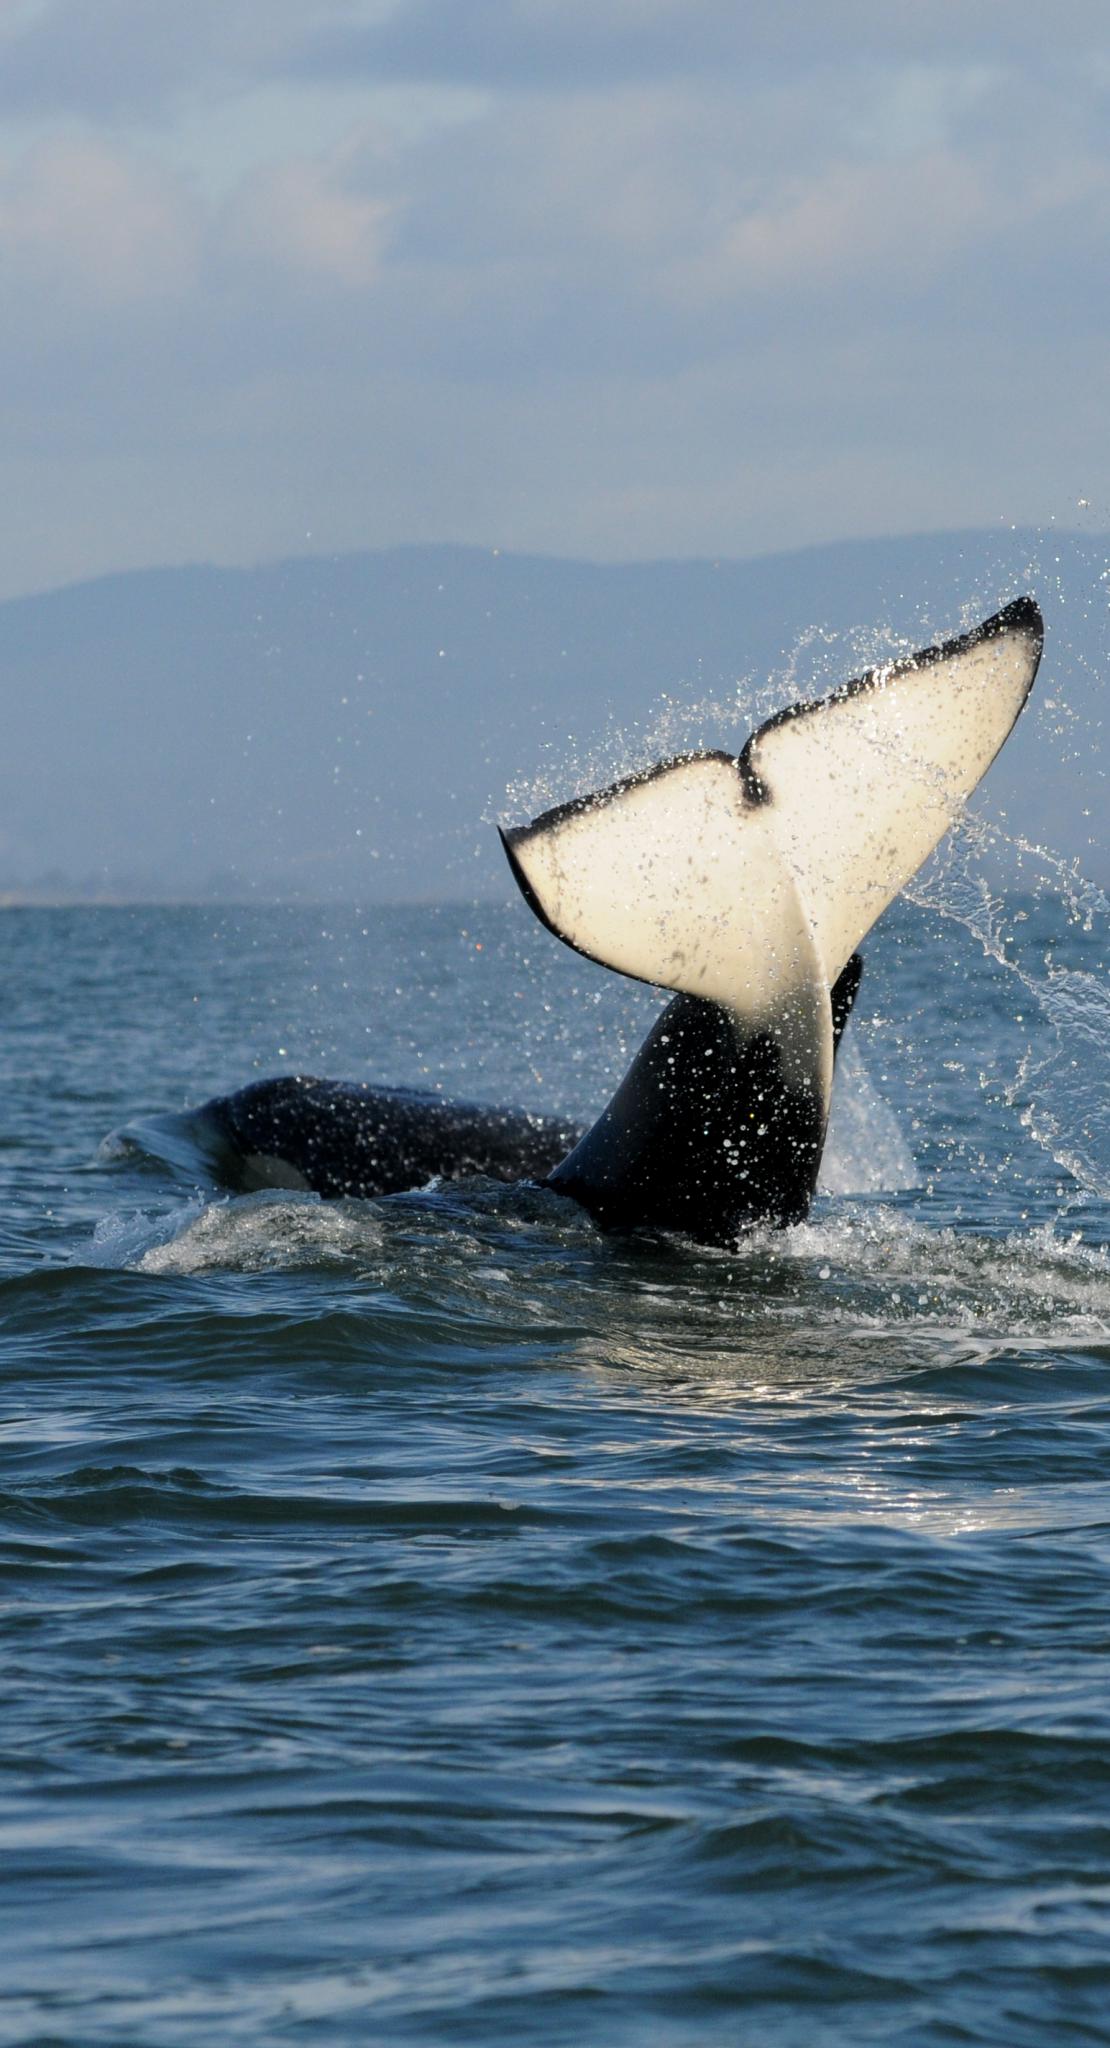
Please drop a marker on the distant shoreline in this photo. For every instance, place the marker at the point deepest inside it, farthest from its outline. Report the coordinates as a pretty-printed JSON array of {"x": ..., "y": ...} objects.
[
  {"x": 78, "y": 899},
  {"x": 61, "y": 899}
]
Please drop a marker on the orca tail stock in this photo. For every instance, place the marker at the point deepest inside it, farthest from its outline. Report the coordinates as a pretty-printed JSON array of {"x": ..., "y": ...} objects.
[{"x": 745, "y": 884}]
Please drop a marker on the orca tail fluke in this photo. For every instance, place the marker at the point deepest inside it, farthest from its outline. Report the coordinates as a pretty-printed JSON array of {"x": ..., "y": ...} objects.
[
  {"x": 725, "y": 877},
  {"x": 747, "y": 883}
]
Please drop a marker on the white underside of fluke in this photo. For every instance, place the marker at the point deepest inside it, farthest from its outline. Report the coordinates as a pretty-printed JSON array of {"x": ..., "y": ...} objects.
[
  {"x": 676, "y": 879},
  {"x": 865, "y": 784},
  {"x": 679, "y": 880},
  {"x": 752, "y": 881}
]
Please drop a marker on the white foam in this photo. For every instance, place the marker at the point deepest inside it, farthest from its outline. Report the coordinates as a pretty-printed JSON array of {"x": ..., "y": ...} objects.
[
  {"x": 265, "y": 1232},
  {"x": 883, "y": 1266}
]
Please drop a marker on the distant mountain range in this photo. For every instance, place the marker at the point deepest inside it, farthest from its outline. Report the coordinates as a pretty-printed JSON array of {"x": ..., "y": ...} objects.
[{"x": 349, "y": 726}]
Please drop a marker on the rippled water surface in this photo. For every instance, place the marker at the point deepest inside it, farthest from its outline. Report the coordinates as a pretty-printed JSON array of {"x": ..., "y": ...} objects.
[{"x": 429, "y": 1621}]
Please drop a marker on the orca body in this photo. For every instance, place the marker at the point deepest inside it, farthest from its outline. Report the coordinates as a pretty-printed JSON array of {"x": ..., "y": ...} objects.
[
  {"x": 351, "y": 1138},
  {"x": 744, "y": 885},
  {"x": 707, "y": 1134}
]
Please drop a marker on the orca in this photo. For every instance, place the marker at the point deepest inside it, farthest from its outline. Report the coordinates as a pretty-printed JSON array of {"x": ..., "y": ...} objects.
[{"x": 743, "y": 884}]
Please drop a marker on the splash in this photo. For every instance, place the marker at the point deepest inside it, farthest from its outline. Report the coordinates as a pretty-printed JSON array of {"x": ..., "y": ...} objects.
[
  {"x": 264, "y": 1233},
  {"x": 881, "y": 1266},
  {"x": 1058, "y": 1085},
  {"x": 866, "y": 1150}
]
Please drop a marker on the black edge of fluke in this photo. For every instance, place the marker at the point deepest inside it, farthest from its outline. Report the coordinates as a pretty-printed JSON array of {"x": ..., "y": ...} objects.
[
  {"x": 1021, "y": 615},
  {"x": 509, "y": 836}
]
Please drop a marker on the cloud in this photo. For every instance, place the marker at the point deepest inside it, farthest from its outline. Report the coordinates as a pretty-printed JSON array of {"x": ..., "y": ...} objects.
[
  {"x": 119, "y": 56},
  {"x": 137, "y": 58},
  {"x": 639, "y": 231},
  {"x": 95, "y": 226},
  {"x": 555, "y": 45},
  {"x": 672, "y": 278},
  {"x": 141, "y": 59},
  {"x": 850, "y": 223},
  {"x": 299, "y": 217},
  {"x": 646, "y": 230}
]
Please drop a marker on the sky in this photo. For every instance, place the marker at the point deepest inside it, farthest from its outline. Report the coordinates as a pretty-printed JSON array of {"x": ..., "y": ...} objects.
[{"x": 604, "y": 278}]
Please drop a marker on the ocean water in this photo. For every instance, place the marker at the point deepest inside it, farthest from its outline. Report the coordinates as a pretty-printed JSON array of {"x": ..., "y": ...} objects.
[{"x": 429, "y": 1621}]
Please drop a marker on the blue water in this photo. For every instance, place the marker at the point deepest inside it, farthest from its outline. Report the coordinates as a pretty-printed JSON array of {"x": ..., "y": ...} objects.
[{"x": 429, "y": 1621}]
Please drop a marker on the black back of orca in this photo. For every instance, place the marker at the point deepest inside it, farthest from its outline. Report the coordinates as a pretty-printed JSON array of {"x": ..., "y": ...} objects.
[{"x": 352, "y": 1138}]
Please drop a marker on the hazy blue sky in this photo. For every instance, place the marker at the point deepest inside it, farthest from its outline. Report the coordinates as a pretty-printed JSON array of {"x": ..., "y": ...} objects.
[{"x": 601, "y": 277}]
